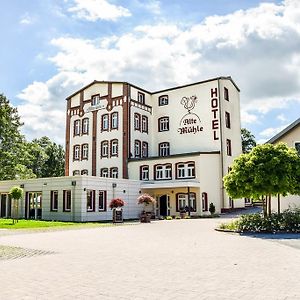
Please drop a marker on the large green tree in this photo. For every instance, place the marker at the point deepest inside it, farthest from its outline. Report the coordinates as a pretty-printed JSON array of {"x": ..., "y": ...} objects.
[
  {"x": 267, "y": 170},
  {"x": 248, "y": 140},
  {"x": 13, "y": 158}
]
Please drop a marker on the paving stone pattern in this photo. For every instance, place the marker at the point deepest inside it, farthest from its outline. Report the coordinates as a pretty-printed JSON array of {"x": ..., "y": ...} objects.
[{"x": 178, "y": 259}]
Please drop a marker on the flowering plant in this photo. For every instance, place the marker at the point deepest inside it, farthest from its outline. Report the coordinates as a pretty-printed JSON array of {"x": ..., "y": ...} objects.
[
  {"x": 145, "y": 199},
  {"x": 117, "y": 202}
]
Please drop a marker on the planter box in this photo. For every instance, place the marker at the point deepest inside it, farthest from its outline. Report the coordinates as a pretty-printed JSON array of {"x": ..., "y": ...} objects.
[{"x": 145, "y": 218}]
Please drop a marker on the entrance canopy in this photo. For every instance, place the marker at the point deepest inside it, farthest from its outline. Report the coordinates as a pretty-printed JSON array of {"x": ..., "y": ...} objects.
[{"x": 170, "y": 184}]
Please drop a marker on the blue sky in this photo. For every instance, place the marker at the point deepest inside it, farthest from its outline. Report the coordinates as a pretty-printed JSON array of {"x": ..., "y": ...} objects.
[{"x": 50, "y": 48}]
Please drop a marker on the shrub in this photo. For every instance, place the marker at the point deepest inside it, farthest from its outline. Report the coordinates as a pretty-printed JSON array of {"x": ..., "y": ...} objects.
[
  {"x": 115, "y": 203},
  {"x": 169, "y": 218},
  {"x": 212, "y": 208},
  {"x": 145, "y": 199},
  {"x": 177, "y": 217}
]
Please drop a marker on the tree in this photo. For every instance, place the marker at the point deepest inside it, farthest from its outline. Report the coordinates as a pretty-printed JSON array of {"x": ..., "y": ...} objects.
[
  {"x": 248, "y": 140},
  {"x": 267, "y": 170},
  {"x": 12, "y": 154},
  {"x": 16, "y": 194}
]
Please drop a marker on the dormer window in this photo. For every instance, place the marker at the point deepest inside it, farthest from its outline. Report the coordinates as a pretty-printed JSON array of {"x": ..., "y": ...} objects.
[{"x": 95, "y": 100}]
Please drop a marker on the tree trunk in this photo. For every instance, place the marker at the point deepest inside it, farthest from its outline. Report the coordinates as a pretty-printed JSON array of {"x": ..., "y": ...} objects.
[
  {"x": 264, "y": 205},
  {"x": 270, "y": 208},
  {"x": 278, "y": 203}
]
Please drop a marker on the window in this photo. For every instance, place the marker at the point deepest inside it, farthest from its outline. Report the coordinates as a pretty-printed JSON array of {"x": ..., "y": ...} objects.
[
  {"x": 137, "y": 148},
  {"x": 226, "y": 94},
  {"x": 102, "y": 199},
  {"x": 77, "y": 127},
  {"x": 67, "y": 200},
  {"x": 104, "y": 149},
  {"x": 144, "y": 149},
  {"x": 163, "y": 172},
  {"x": 144, "y": 124},
  {"x": 95, "y": 99},
  {"x": 54, "y": 200},
  {"x": 114, "y": 172},
  {"x": 163, "y": 124},
  {"x": 90, "y": 200},
  {"x": 114, "y": 147},
  {"x": 297, "y": 147},
  {"x": 76, "y": 152},
  {"x": 184, "y": 201},
  {"x": 144, "y": 172},
  {"x": 228, "y": 147},
  {"x": 164, "y": 149},
  {"x": 227, "y": 119},
  {"x": 114, "y": 120},
  {"x": 204, "y": 202},
  {"x": 104, "y": 172},
  {"x": 85, "y": 126},
  {"x": 185, "y": 170},
  {"x": 76, "y": 172},
  {"x": 104, "y": 122},
  {"x": 84, "y": 172},
  {"x": 163, "y": 100},
  {"x": 141, "y": 97},
  {"x": 85, "y": 151},
  {"x": 137, "y": 121}
]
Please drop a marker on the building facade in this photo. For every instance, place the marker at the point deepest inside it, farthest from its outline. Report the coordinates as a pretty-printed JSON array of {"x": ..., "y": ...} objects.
[
  {"x": 291, "y": 136},
  {"x": 178, "y": 142}
]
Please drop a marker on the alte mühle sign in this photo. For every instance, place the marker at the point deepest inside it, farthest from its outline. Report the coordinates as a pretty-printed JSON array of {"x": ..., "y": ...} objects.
[{"x": 190, "y": 122}]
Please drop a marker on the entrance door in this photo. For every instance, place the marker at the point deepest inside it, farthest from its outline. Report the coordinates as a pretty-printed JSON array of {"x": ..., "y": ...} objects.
[
  {"x": 164, "y": 204},
  {"x": 33, "y": 205},
  {"x": 3, "y": 205}
]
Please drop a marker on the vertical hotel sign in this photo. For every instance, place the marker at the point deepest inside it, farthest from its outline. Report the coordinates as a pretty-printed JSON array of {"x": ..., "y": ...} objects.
[{"x": 214, "y": 109}]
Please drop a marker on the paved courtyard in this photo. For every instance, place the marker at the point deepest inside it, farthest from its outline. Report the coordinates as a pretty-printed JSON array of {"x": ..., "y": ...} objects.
[{"x": 178, "y": 259}]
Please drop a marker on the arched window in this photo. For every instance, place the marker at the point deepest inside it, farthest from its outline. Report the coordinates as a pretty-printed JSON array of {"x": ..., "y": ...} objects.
[
  {"x": 104, "y": 149},
  {"x": 104, "y": 172},
  {"x": 137, "y": 121},
  {"x": 114, "y": 172},
  {"x": 77, "y": 127},
  {"x": 144, "y": 172},
  {"x": 85, "y": 151},
  {"x": 104, "y": 122}
]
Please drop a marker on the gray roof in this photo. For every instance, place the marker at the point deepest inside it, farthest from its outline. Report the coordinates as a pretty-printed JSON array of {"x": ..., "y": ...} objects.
[{"x": 284, "y": 131}]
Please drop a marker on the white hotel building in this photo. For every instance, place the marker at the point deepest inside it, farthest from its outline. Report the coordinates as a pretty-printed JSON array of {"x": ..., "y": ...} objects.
[{"x": 175, "y": 144}]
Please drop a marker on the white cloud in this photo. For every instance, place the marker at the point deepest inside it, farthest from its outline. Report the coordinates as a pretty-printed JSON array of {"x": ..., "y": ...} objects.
[
  {"x": 26, "y": 19},
  {"x": 271, "y": 131},
  {"x": 258, "y": 47},
  {"x": 93, "y": 10},
  {"x": 153, "y": 6},
  {"x": 282, "y": 118}
]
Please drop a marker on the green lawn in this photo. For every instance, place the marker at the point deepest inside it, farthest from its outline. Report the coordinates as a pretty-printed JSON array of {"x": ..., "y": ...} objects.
[{"x": 35, "y": 224}]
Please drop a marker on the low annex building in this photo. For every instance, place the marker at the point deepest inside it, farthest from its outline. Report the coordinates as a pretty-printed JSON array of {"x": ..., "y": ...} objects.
[
  {"x": 175, "y": 144},
  {"x": 291, "y": 136}
]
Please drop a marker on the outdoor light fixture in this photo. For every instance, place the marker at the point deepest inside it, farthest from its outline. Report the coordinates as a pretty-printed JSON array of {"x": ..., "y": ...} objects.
[
  {"x": 124, "y": 191},
  {"x": 74, "y": 183},
  {"x": 22, "y": 185},
  {"x": 114, "y": 185},
  {"x": 84, "y": 189}
]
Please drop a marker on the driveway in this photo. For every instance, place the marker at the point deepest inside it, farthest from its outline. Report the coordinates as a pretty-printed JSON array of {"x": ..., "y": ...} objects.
[{"x": 178, "y": 259}]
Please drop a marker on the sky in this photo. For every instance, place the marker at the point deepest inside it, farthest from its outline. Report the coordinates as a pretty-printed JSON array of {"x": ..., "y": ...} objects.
[{"x": 52, "y": 48}]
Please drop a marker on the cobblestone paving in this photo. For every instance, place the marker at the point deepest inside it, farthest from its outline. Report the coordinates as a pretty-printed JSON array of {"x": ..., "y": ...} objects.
[
  {"x": 9, "y": 252},
  {"x": 178, "y": 259}
]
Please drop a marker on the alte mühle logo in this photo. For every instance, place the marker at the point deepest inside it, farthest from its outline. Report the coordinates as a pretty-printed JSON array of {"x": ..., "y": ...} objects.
[{"x": 190, "y": 122}]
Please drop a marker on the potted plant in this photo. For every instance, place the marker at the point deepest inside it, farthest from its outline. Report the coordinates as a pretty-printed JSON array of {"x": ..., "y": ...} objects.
[
  {"x": 182, "y": 213},
  {"x": 212, "y": 208},
  {"x": 146, "y": 200},
  {"x": 116, "y": 205}
]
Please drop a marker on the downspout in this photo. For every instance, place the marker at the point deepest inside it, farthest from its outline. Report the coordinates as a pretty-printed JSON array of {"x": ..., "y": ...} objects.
[{"x": 222, "y": 154}]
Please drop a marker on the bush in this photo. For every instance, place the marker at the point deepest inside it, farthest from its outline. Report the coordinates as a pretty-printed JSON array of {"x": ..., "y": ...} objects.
[
  {"x": 169, "y": 218},
  {"x": 288, "y": 221},
  {"x": 212, "y": 208},
  {"x": 177, "y": 217}
]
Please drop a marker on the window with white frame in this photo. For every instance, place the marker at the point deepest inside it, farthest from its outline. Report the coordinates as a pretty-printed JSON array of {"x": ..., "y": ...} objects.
[
  {"x": 85, "y": 126},
  {"x": 114, "y": 120},
  {"x": 104, "y": 149},
  {"x": 76, "y": 152},
  {"x": 90, "y": 200},
  {"x": 102, "y": 199},
  {"x": 185, "y": 170},
  {"x": 76, "y": 172},
  {"x": 84, "y": 172},
  {"x": 144, "y": 172},
  {"x": 145, "y": 124},
  {"x": 104, "y": 122},
  {"x": 186, "y": 201},
  {"x": 144, "y": 149},
  {"x": 104, "y": 172},
  {"x": 164, "y": 149},
  {"x": 95, "y": 100},
  {"x": 54, "y": 200},
  {"x": 114, "y": 147},
  {"x": 137, "y": 148},
  {"x": 163, "y": 100},
  {"x": 163, "y": 124},
  {"x": 163, "y": 172},
  {"x": 137, "y": 121},
  {"x": 76, "y": 127},
  {"x": 85, "y": 151},
  {"x": 67, "y": 200},
  {"x": 141, "y": 97},
  {"x": 114, "y": 172}
]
